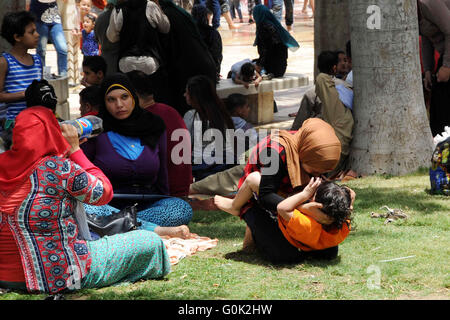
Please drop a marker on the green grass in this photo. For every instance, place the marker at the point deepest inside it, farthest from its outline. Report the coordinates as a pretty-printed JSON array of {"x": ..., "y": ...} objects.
[{"x": 359, "y": 272}]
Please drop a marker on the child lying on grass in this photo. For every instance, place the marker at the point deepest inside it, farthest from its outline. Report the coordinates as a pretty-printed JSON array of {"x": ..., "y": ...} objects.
[{"x": 302, "y": 224}]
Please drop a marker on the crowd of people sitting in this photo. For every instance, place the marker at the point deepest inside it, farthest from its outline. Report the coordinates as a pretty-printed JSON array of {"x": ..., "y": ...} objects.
[{"x": 166, "y": 134}]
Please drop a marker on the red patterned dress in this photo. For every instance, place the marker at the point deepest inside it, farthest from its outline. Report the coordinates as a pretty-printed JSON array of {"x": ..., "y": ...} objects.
[{"x": 38, "y": 222}]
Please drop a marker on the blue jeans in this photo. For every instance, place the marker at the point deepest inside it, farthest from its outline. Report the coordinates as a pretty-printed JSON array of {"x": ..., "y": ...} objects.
[
  {"x": 217, "y": 7},
  {"x": 56, "y": 33},
  {"x": 235, "y": 4},
  {"x": 277, "y": 9}
]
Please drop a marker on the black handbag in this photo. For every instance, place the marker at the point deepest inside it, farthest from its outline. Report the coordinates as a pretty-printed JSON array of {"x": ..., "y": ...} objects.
[{"x": 119, "y": 222}]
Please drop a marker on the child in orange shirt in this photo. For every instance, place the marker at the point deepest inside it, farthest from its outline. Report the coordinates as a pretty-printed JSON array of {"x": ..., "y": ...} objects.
[{"x": 321, "y": 223}]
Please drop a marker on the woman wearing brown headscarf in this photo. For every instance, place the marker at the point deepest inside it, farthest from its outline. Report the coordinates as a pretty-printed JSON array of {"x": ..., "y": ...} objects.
[{"x": 287, "y": 160}]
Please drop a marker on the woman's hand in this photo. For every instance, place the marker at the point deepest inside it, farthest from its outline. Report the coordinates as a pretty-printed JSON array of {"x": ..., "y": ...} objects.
[
  {"x": 443, "y": 74},
  {"x": 70, "y": 133}
]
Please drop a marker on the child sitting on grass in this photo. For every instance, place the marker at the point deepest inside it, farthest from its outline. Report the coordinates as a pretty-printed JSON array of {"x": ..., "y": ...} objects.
[{"x": 302, "y": 224}]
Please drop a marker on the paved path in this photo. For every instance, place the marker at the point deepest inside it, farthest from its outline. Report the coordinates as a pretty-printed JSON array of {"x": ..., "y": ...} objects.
[{"x": 238, "y": 45}]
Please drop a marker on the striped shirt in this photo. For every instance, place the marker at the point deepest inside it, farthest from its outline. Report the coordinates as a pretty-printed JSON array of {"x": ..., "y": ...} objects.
[
  {"x": 18, "y": 78},
  {"x": 2, "y": 111}
]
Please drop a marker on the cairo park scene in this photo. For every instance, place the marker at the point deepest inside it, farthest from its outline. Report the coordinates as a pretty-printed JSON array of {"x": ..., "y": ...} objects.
[{"x": 221, "y": 158}]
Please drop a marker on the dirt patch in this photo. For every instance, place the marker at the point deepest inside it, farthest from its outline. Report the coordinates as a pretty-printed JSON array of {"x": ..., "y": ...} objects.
[{"x": 438, "y": 295}]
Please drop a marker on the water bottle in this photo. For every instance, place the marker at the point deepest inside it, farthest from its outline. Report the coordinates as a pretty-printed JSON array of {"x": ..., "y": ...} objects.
[{"x": 87, "y": 127}]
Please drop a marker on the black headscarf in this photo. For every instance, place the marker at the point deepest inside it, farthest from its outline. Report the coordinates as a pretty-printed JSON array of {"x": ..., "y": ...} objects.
[{"x": 141, "y": 123}]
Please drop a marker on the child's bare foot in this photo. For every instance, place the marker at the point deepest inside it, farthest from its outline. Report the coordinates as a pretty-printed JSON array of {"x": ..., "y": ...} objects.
[
  {"x": 225, "y": 204},
  {"x": 248, "y": 245},
  {"x": 174, "y": 232}
]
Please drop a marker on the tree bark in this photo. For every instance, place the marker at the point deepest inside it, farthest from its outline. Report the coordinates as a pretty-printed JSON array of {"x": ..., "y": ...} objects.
[
  {"x": 331, "y": 26},
  {"x": 70, "y": 20},
  {"x": 391, "y": 133}
]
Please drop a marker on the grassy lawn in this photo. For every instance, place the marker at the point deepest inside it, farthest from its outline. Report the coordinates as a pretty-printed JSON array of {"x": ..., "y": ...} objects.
[{"x": 365, "y": 268}]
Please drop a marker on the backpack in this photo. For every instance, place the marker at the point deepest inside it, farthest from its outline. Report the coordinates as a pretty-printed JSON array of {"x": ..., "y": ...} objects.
[{"x": 440, "y": 169}]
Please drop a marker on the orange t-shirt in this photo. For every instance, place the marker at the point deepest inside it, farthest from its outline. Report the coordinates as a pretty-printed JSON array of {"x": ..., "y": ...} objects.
[{"x": 307, "y": 234}]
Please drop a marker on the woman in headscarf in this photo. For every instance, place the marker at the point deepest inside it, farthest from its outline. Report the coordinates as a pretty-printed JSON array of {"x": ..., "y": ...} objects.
[
  {"x": 287, "y": 161},
  {"x": 132, "y": 152},
  {"x": 44, "y": 243},
  {"x": 272, "y": 41},
  {"x": 210, "y": 36}
]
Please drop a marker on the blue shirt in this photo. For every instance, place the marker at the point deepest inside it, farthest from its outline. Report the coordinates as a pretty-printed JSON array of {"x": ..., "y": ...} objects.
[
  {"x": 18, "y": 78},
  {"x": 90, "y": 45},
  {"x": 345, "y": 95},
  {"x": 128, "y": 147}
]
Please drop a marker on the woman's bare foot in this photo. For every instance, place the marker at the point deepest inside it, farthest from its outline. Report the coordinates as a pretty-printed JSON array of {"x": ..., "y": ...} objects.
[
  {"x": 225, "y": 204},
  {"x": 174, "y": 232}
]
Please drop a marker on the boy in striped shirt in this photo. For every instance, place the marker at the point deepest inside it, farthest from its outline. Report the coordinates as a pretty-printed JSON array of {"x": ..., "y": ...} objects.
[{"x": 18, "y": 68}]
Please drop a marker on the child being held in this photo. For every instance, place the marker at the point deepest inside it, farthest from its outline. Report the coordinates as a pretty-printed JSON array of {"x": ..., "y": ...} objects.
[
  {"x": 89, "y": 43},
  {"x": 245, "y": 72},
  {"x": 321, "y": 223},
  {"x": 83, "y": 8}
]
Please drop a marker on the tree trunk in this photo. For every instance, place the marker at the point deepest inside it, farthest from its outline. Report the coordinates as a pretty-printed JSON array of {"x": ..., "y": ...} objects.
[
  {"x": 331, "y": 26},
  {"x": 7, "y": 6},
  {"x": 391, "y": 134},
  {"x": 70, "y": 20}
]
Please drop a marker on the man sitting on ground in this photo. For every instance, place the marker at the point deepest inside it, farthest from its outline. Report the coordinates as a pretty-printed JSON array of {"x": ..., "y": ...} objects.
[{"x": 325, "y": 103}]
